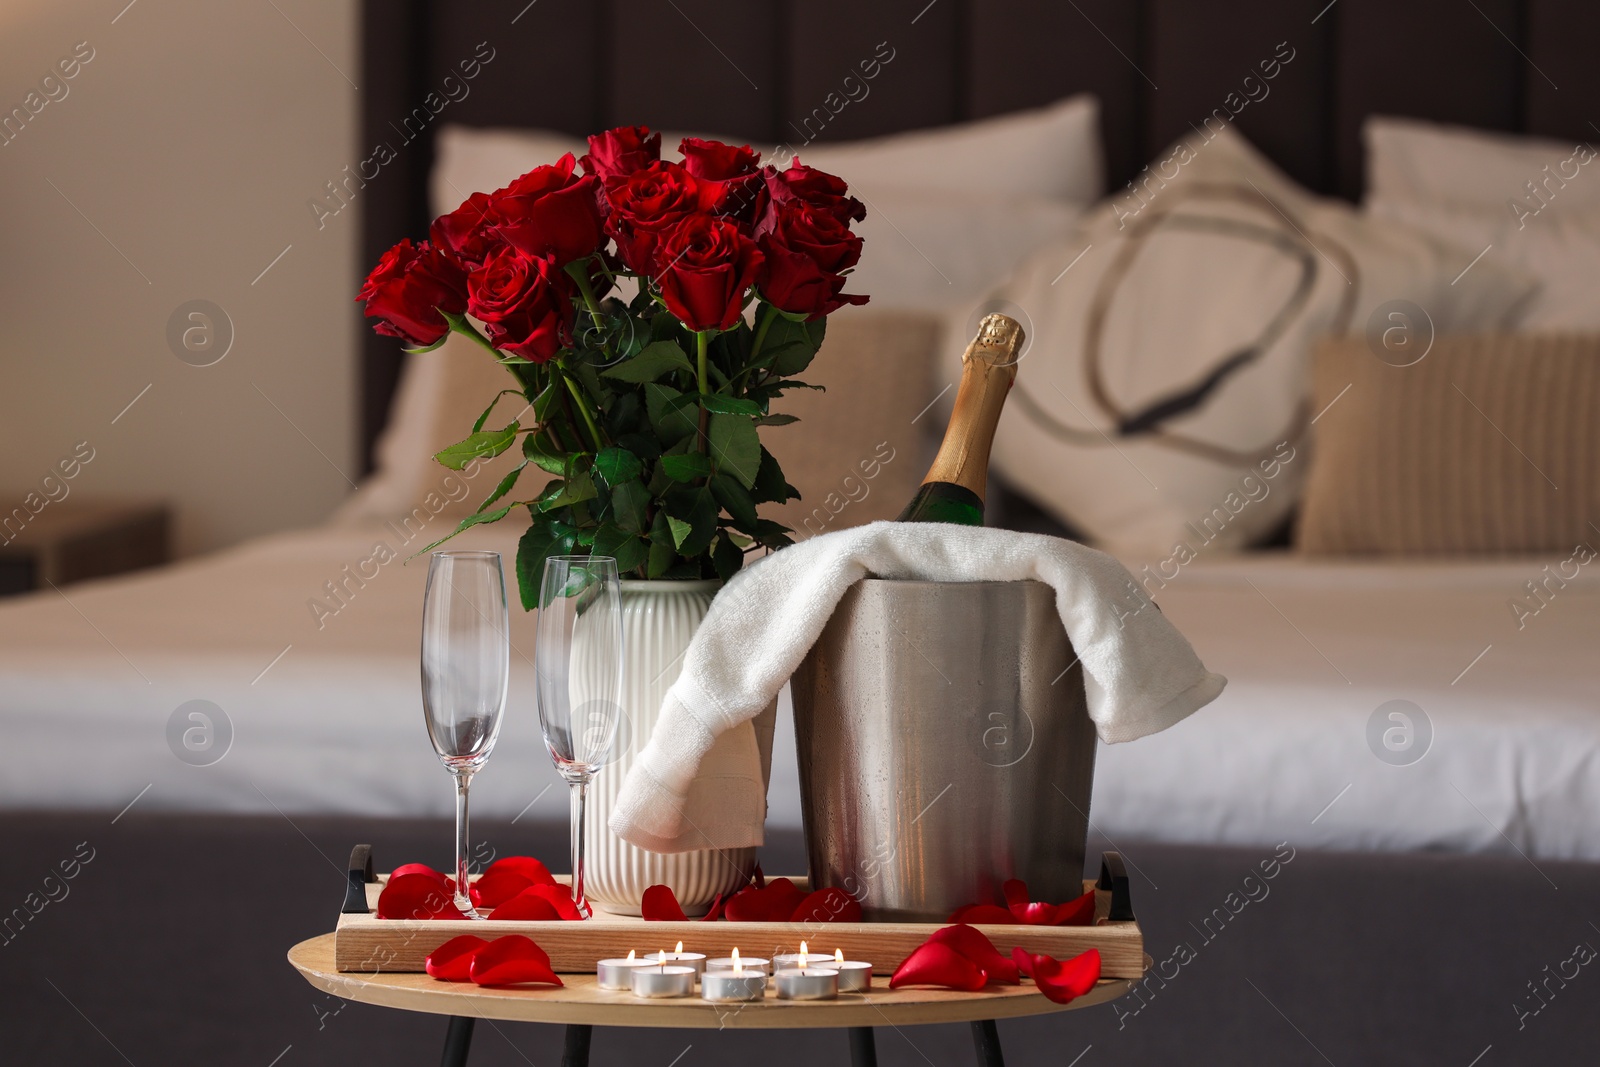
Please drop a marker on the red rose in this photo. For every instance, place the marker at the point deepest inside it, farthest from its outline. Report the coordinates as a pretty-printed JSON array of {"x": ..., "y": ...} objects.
[
  {"x": 466, "y": 234},
  {"x": 408, "y": 288},
  {"x": 815, "y": 187},
  {"x": 647, "y": 203},
  {"x": 706, "y": 266},
  {"x": 806, "y": 251},
  {"x": 551, "y": 212},
  {"x": 733, "y": 173},
  {"x": 523, "y": 301},
  {"x": 618, "y": 153}
]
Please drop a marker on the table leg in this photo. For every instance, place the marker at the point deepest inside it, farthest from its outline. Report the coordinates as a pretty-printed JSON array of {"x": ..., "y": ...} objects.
[
  {"x": 863, "y": 1049},
  {"x": 457, "y": 1042},
  {"x": 986, "y": 1039},
  {"x": 576, "y": 1053}
]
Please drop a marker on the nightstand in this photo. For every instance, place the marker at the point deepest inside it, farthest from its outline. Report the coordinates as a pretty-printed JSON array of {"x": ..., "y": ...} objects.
[{"x": 69, "y": 541}]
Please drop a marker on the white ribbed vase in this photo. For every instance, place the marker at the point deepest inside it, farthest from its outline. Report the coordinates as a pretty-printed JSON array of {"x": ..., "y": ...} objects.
[{"x": 658, "y": 620}]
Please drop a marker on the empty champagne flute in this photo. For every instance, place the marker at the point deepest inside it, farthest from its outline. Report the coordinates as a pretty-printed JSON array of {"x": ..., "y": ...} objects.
[
  {"x": 466, "y": 662},
  {"x": 578, "y": 668}
]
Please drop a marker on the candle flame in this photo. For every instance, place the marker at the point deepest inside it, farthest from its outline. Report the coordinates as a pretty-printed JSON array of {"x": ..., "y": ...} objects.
[
  {"x": 662, "y": 958},
  {"x": 838, "y": 954},
  {"x": 678, "y": 949},
  {"x": 738, "y": 964},
  {"x": 804, "y": 951},
  {"x": 631, "y": 955}
]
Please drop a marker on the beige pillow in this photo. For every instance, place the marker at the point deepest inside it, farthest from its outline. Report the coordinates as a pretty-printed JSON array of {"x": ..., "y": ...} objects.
[
  {"x": 1488, "y": 445},
  {"x": 860, "y": 449}
]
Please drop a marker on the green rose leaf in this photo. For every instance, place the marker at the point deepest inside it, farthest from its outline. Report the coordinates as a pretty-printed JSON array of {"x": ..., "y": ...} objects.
[
  {"x": 696, "y": 509},
  {"x": 545, "y": 461},
  {"x": 485, "y": 444},
  {"x": 686, "y": 467},
  {"x": 736, "y": 447},
  {"x": 504, "y": 487},
  {"x": 652, "y": 362},
  {"x": 662, "y": 547},
  {"x": 671, "y": 422},
  {"x": 545, "y": 538},
  {"x": 630, "y": 502},
  {"x": 611, "y": 540},
  {"x": 572, "y": 491},
  {"x": 726, "y": 557},
  {"x": 777, "y": 420},
  {"x": 729, "y": 405},
  {"x": 771, "y": 487},
  {"x": 618, "y": 465},
  {"x": 735, "y": 500},
  {"x": 478, "y": 426}
]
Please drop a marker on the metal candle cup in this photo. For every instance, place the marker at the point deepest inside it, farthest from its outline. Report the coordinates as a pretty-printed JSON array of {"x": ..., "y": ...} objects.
[
  {"x": 697, "y": 960},
  {"x": 724, "y": 986},
  {"x": 854, "y": 975},
  {"x": 812, "y": 983},
  {"x": 618, "y": 973},
  {"x": 662, "y": 981}
]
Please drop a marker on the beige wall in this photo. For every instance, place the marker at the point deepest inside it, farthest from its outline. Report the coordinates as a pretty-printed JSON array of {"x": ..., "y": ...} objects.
[{"x": 190, "y": 142}]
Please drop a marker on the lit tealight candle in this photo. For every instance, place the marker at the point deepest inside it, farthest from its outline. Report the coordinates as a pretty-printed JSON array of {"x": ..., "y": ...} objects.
[
  {"x": 806, "y": 982},
  {"x": 792, "y": 959},
  {"x": 696, "y": 960},
  {"x": 736, "y": 962},
  {"x": 733, "y": 984},
  {"x": 618, "y": 973},
  {"x": 662, "y": 980},
  {"x": 854, "y": 975}
]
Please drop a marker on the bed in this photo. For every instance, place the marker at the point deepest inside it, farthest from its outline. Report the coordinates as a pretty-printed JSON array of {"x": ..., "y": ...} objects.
[{"x": 310, "y": 673}]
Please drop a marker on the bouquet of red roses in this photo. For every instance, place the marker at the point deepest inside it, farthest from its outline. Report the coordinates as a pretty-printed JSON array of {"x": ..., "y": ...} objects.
[{"x": 620, "y": 299}]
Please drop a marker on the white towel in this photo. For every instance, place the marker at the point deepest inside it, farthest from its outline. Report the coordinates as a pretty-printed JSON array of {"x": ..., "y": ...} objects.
[{"x": 1139, "y": 673}]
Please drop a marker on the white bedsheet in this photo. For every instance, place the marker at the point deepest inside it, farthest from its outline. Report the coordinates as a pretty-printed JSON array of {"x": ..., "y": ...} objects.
[{"x": 88, "y": 682}]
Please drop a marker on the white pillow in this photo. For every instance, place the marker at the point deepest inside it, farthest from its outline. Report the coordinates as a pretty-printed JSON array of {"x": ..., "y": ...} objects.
[
  {"x": 1426, "y": 163},
  {"x": 1234, "y": 239},
  {"x": 1561, "y": 250},
  {"x": 1051, "y": 151}
]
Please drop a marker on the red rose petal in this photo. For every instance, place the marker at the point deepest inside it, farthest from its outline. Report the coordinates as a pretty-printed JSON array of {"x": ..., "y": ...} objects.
[
  {"x": 715, "y": 911},
  {"x": 1078, "y": 912},
  {"x": 452, "y": 961},
  {"x": 986, "y": 914},
  {"x": 1015, "y": 892},
  {"x": 774, "y": 902},
  {"x": 418, "y": 868},
  {"x": 1035, "y": 913},
  {"x": 416, "y": 896},
  {"x": 561, "y": 897},
  {"x": 758, "y": 878},
  {"x": 535, "y": 872},
  {"x": 831, "y": 905},
  {"x": 527, "y": 906},
  {"x": 1024, "y": 961},
  {"x": 660, "y": 904},
  {"x": 941, "y": 965},
  {"x": 1067, "y": 980},
  {"x": 512, "y": 960},
  {"x": 497, "y": 887},
  {"x": 980, "y": 950}
]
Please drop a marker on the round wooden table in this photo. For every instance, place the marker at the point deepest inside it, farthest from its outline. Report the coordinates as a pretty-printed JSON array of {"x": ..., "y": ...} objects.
[{"x": 581, "y": 1005}]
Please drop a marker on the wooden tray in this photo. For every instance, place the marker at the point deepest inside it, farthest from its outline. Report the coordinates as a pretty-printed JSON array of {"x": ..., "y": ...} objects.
[{"x": 363, "y": 943}]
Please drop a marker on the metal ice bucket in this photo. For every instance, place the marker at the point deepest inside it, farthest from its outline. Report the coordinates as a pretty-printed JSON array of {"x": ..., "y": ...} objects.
[{"x": 945, "y": 746}]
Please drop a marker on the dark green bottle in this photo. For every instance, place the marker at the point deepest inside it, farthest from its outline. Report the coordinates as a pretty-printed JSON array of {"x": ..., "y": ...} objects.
[{"x": 954, "y": 488}]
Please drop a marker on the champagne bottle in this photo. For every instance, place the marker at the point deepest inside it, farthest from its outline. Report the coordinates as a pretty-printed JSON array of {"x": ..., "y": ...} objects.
[{"x": 953, "y": 490}]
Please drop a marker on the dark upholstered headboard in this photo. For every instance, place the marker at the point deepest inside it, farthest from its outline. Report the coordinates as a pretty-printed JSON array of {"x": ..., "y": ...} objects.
[{"x": 761, "y": 69}]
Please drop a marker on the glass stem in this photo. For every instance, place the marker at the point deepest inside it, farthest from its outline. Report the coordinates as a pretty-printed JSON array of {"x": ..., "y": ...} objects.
[
  {"x": 463, "y": 899},
  {"x": 580, "y": 794}
]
